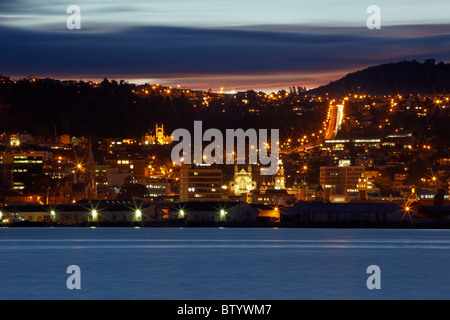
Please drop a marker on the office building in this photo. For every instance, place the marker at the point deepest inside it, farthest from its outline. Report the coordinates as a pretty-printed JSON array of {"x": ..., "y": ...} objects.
[
  {"x": 200, "y": 183},
  {"x": 342, "y": 180}
]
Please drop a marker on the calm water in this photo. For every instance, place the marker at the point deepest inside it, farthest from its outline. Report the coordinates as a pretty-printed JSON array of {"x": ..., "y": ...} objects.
[{"x": 228, "y": 264}]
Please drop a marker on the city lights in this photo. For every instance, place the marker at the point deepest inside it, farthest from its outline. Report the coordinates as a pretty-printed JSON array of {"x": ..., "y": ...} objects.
[{"x": 316, "y": 132}]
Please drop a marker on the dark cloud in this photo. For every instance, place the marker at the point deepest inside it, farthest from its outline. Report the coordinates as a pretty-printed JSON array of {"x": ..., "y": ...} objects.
[{"x": 153, "y": 51}]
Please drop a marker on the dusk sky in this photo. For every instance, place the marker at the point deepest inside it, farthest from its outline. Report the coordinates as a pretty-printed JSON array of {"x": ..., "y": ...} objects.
[{"x": 202, "y": 44}]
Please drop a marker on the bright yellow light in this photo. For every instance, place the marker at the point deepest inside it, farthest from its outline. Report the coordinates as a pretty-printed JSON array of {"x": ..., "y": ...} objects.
[{"x": 182, "y": 213}]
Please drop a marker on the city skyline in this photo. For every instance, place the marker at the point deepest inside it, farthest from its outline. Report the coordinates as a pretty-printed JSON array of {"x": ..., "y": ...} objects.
[
  {"x": 203, "y": 45},
  {"x": 224, "y": 150}
]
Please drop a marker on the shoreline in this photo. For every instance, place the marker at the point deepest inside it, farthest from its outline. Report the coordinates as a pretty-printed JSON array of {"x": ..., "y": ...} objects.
[{"x": 343, "y": 225}]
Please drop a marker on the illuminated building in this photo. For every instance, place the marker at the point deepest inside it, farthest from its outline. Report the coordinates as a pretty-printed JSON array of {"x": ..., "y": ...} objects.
[
  {"x": 132, "y": 167},
  {"x": 279, "y": 177},
  {"x": 158, "y": 138},
  {"x": 101, "y": 174},
  {"x": 278, "y": 180},
  {"x": 64, "y": 139},
  {"x": 301, "y": 191},
  {"x": 157, "y": 189},
  {"x": 274, "y": 197},
  {"x": 242, "y": 182},
  {"x": 20, "y": 170},
  {"x": 200, "y": 183},
  {"x": 340, "y": 145},
  {"x": 83, "y": 212},
  {"x": 14, "y": 140},
  {"x": 77, "y": 141},
  {"x": 341, "y": 181},
  {"x": 364, "y": 187}
]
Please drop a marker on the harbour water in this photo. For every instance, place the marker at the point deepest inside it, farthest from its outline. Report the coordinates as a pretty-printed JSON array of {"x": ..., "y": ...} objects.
[{"x": 223, "y": 263}]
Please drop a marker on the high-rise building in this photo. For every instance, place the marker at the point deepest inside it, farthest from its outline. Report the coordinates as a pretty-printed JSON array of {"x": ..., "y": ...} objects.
[
  {"x": 200, "y": 183},
  {"x": 20, "y": 170},
  {"x": 132, "y": 167},
  {"x": 341, "y": 180}
]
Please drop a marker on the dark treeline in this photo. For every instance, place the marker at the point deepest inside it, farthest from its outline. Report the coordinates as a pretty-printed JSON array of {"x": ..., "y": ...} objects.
[
  {"x": 118, "y": 109},
  {"x": 78, "y": 108}
]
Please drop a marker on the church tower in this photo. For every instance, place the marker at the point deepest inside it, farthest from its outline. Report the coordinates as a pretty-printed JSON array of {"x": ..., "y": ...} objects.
[
  {"x": 159, "y": 133},
  {"x": 363, "y": 188},
  {"x": 279, "y": 180},
  {"x": 90, "y": 183}
]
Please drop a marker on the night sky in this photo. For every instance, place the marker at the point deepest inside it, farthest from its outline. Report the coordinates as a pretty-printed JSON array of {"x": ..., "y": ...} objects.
[{"x": 202, "y": 44}]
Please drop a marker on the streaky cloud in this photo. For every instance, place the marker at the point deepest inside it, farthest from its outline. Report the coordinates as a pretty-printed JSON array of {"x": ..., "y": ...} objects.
[{"x": 146, "y": 52}]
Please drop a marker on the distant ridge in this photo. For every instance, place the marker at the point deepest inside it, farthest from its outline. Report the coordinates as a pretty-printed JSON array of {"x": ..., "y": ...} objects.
[{"x": 403, "y": 77}]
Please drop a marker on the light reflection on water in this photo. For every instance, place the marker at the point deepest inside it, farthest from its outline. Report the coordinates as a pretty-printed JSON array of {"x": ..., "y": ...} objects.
[{"x": 229, "y": 264}]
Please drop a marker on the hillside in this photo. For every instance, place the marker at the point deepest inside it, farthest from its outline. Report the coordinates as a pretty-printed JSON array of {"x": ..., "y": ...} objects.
[{"x": 403, "y": 77}]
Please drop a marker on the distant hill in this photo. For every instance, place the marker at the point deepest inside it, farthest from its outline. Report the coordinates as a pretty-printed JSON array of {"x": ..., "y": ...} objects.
[{"x": 395, "y": 78}]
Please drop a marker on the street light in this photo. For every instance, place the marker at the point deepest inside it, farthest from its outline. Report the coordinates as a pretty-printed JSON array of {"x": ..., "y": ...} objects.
[
  {"x": 94, "y": 215},
  {"x": 138, "y": 214}
]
